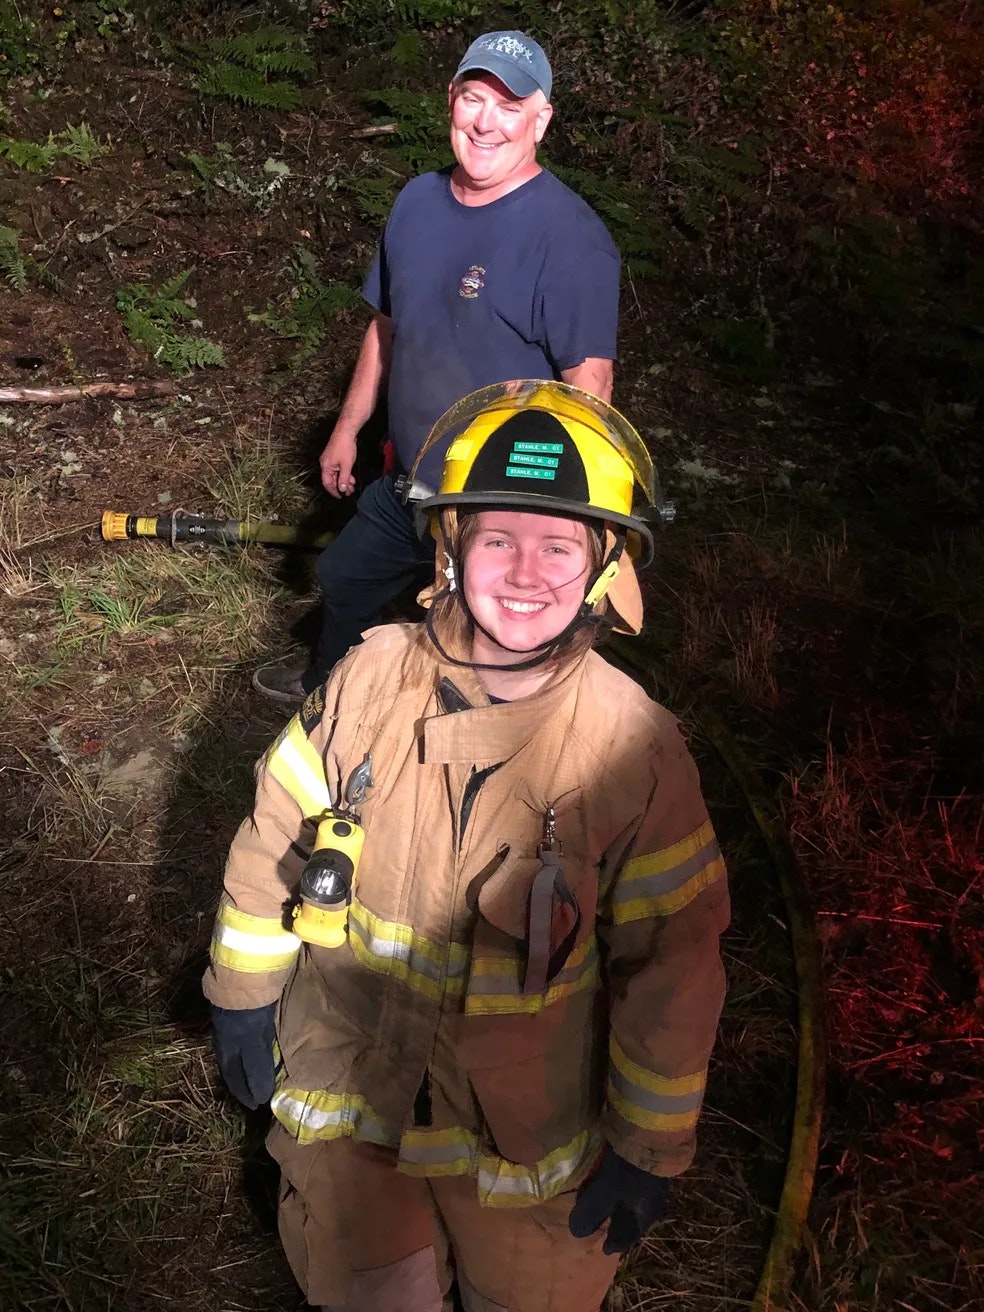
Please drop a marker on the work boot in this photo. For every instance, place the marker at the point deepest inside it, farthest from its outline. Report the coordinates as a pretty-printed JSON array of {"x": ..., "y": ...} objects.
[{"x": 281, "y": 683}]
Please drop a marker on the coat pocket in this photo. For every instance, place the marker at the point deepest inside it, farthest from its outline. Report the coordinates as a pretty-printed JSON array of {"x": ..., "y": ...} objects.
[
  {"x": 529, "y": 931},
  {"x": 536, "y": 1078}
]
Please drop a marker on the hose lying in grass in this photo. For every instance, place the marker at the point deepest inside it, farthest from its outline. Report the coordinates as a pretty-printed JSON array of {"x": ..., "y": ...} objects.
[
  {"x": 180, "y": 528},
  {"x": 787, "y": 1235}
]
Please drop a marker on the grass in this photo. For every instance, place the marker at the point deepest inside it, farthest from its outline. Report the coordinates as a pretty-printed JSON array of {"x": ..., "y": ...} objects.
[
  {"x": 136, "y": 1144},
  {"x": 222, "y": 599},
  {"x": 822, "y": 595},
  {"x": 122, "y": 1159},
  {"x": 901, "y": 926},
  {"x": 21, "y": 516},
  {"x": 805, "y": 634},
  {"x": 66, "y": 798},
  {"x": 253, "y": 480}
]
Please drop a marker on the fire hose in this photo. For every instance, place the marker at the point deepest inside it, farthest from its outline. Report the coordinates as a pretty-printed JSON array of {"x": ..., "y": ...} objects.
[
  {"x": 182, "y": 528},
  {"x": 774, "y": 1284}
]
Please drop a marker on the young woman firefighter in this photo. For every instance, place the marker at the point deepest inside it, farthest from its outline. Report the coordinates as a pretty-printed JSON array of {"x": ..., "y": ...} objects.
[{"x": 478, "y": 902}]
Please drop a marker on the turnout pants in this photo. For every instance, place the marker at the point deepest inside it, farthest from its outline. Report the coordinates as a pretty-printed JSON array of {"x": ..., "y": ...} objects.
[{"x": 362, "y": 1237}]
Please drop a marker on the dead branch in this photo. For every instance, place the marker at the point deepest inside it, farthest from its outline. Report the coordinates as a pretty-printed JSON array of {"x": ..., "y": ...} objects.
[
  {"x": 383, "y": 129},
  {"x": 71, "y": 392}
]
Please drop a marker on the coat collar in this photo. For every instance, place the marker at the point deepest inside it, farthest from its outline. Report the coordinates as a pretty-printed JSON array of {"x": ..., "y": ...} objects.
[{"x": 482, "y": 734}]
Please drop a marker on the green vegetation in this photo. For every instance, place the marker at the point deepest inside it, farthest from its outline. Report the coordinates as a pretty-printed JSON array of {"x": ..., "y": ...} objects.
[
  {"x": 260, "y": 187},
  {"x": 18, "y": 41},
  {"x": 155, "y": 317},
  {"x": 75, "y": 142},
  {"x": 309, "y": 308},
  {"x": 260, "y": 69},
  {"x": 421, "y": 118},
  {"x": 28, "y": 155},
  {"x": 17, "y": 268},
  {"x": 78, "y": 143}
]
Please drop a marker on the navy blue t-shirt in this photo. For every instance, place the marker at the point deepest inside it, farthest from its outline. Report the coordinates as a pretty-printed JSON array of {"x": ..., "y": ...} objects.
[{"x": 523, "y": 287}]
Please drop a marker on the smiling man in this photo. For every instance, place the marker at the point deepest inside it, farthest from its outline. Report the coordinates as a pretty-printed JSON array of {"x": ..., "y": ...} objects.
[
  {"x": 494, "y": 134},
  {"x": 487, "y": 271}
]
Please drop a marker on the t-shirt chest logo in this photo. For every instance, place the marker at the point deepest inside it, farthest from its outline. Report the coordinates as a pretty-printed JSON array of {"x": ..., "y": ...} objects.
[{"x": 472, "y": 282}]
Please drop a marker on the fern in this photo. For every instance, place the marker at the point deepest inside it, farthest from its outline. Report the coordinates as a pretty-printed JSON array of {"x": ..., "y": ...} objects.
[
  {"x": 155, "y": 318},
  {"x": 253, "y": 68},
  {"x": 28, "y": 155},
  {"x": 77, "y": 143},
  {"x": 422, "y": 120},
  {"x": 17, "y": 268},
  {"x": 267, "y": 49},
  {"x": 45, "y": 276},
  {"x": 167, "y": 299},
  {"x": 182, "y": 354},
  {"x": 309, "y": 308},
  {"x": 206, "y": 166},
  {"x": 373, "y": 195},
  {"x": 13, "y": 264},
  {"x": 408, "y": 51},
  {"x": 80, "y": 144},
  {"x": 626, "y": 208}
]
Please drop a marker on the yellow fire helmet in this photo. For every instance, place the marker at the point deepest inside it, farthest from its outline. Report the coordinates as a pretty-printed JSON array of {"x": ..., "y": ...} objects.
[
  {"x": 547, "y": 446},
  {"x": 541, "y": 445},
  {"x": 535, "y": 445}
]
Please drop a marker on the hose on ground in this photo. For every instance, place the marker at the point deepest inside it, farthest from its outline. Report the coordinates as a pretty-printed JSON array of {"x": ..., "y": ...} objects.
[{"x": 775, "y": 1281}]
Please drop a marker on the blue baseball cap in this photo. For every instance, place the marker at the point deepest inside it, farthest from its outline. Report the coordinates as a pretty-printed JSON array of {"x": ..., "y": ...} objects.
[{"x": 514, "y": 58}]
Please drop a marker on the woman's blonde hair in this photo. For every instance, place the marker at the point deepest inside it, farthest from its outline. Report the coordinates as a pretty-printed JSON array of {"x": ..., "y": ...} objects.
[{"x": 454, "y": 627}]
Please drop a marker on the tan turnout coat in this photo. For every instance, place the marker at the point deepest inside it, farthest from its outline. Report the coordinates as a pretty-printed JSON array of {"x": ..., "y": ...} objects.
[{"x": 438, "y": 1028}]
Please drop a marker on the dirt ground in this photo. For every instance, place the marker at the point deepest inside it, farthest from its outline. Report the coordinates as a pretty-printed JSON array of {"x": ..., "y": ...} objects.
[{"x": 789, "y": 600}]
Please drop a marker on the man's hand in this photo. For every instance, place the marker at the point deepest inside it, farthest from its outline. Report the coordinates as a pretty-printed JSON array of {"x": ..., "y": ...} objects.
[
  {"x": 592, "y": 375},
  {"x": 629, "y": 1198},
  {"x": 337, "y": 462}
]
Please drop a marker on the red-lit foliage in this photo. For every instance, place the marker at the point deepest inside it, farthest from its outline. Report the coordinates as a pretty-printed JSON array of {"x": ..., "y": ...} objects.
[{"x": 887, "y": 94}]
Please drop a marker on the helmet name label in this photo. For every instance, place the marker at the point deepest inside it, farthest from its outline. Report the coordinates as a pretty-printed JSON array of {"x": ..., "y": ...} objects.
[
  {"x": 528, "y": 471},
  {"x": 545, "y": 462},
  {"x": 545, "y": 448}
]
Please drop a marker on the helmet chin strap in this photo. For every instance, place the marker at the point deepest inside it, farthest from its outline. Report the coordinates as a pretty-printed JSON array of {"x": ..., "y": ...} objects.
[{"x": 598, "y": 586}]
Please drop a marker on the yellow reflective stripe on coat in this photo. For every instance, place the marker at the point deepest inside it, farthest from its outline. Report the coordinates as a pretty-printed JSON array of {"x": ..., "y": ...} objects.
[
  {"x": 500, "y": 1183},
  {"x": 661, "y": 883},
  {"x": 299, "y": 769},
  {"x": 391, "y": 948},
  {"x": 251, "y": 944},
  {"x": 651, "y": 1101},
  {"x": 495, "y": 986},
  {"x": 310, "y": 1115}
]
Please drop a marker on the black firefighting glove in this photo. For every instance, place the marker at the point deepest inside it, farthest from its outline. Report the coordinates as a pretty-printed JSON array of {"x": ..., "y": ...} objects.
[
  {"x": 629, "y": 1198},
  {"x": 243, "y": 1045}
]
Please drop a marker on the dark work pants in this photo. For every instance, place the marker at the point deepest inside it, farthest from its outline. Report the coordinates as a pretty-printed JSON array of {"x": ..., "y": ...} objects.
[{"x": 377, "y": 554}]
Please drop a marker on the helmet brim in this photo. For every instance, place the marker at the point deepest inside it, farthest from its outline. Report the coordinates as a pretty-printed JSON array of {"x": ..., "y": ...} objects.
[{"x": 639, "y": 538}]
